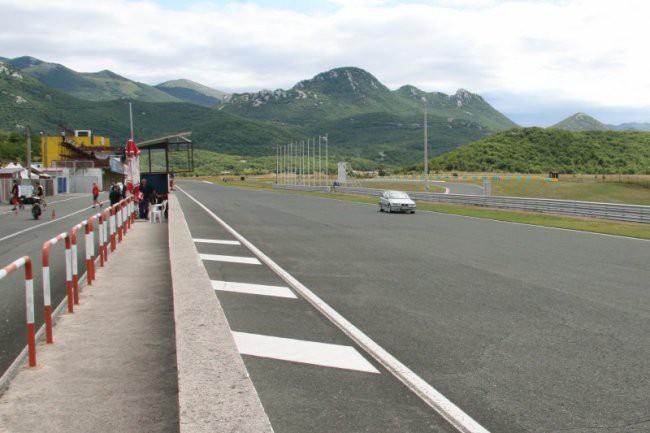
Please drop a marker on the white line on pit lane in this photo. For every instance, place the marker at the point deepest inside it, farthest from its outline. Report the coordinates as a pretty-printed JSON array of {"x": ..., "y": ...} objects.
[
  {"x": 43, "y": 224},
  {"x": 441, "y": 404},
  {"x": 49, "y": 203}
]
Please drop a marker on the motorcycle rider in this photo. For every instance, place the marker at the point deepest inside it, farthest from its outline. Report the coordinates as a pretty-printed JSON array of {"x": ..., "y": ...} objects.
[{"x": 40, "y": 193}]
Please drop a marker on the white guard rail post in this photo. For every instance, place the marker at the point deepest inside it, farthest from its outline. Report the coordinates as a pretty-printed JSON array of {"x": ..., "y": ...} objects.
[
  {"x": 29, "y": 301},
  {"x": 47, "y": 295}
]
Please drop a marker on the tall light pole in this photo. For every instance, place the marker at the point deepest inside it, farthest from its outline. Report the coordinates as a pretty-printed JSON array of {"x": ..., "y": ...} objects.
[
  {"x": 29, "y": 151},
  {"x": 426, "y": 148},
  {"x": 131, "y": 119}
]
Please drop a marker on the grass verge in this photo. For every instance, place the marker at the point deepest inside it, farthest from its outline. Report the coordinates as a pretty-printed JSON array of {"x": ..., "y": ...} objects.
[{"x": 634, "y": 230}]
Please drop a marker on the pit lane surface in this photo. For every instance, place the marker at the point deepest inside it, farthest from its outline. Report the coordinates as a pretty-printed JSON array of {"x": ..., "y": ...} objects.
[
  {"x": 21, "y": 235},
  {"x": 525, "y": 328}
]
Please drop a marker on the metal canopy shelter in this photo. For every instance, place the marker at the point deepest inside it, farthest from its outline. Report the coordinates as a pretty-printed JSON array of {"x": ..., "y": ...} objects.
[{"x": 171, "y": 144}]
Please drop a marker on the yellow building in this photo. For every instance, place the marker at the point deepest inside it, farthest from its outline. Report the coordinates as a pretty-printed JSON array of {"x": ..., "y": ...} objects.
[{"x": 73, "y": 146}]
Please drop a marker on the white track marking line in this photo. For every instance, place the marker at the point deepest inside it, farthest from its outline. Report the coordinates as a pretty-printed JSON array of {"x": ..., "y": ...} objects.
[
  {"x": 216, "y": 241},
  {"x": 441, "y": 404},
  {"x": 230, "y": 259},
  {"x": 50, "y": 203},
  {"x": 305, "y": 352},
  {"x": 253, "y": 289},
  {"x": 205, "y": 181},
  {"x": 43, "y": 224}
]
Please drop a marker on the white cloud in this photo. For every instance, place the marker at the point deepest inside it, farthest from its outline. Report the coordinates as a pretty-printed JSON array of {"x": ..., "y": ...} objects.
[{"x": 586, "y": 51}]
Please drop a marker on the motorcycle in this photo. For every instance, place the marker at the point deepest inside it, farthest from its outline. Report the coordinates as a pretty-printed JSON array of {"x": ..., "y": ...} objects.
[{"x": 36, "y": 209}]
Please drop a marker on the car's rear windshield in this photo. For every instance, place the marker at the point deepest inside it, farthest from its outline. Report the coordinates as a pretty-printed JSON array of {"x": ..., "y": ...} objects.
[{"x": 397, "y": 194}]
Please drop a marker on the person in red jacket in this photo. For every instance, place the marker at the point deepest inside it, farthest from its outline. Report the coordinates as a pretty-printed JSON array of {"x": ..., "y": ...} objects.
[
  {"x": 96, "y": 195},
  {"x": 15, "y": 195}
]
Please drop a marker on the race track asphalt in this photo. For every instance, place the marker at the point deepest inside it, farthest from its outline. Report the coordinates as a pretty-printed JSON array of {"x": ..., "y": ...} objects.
[{"x": 525, "y": 328}]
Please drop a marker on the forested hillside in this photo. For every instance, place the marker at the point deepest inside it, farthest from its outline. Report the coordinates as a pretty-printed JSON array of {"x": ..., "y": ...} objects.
[
  {"x": 537, "y": 150},
  {"x": 13, "y": 148}
]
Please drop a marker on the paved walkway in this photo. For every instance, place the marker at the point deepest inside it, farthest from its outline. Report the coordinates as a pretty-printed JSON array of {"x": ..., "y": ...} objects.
[{"x": 112, "y": 367}]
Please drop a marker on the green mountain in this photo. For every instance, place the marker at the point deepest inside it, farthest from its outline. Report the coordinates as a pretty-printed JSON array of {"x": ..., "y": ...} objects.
[
  {"x": 98, "y": 86},
  {"x": 580, "y": 122},
  {"x": 26, "y": 101},
  {"x": 537, "y": 150},
  {"x": 194, "y": 93},
  {"x": 366, "y": 119},
  {"x": 366, "y": 122},
  {"x": 631, "y": 126}
]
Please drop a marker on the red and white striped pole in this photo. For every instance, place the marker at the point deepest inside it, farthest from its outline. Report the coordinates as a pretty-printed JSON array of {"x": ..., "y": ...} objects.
[
  {"x": 90, "y": 250},
  {"x": 105, "y": 217},
  {"x": 100, "y": 231},
  {"x": 133, "y": 209},
  {"x": 125, "y": 217},
  {"x": 113, "y": 228},
  {"x": 75, "y": 270},
  {"x": 47, "y": 296},
  {"x": 118, "y": 214},
  {"x": 29, "y": 302},
  {"x": 68, "y": 274}
]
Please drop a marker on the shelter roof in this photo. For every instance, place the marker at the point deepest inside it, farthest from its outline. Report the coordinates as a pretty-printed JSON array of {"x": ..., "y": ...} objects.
[{"x": 164, "y": 142}]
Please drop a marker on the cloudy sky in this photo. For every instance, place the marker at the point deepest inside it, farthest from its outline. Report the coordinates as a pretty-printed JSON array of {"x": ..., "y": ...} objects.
[{"x": 537, "y": 61}]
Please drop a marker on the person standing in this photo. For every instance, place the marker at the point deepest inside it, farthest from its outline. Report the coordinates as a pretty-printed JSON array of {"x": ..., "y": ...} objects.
[
  {"x": 147, "y": 193},
  {"x": 96, "y": 195},
  {"x": 114, "y": 196},
  {"x": 15, "y": 195}
]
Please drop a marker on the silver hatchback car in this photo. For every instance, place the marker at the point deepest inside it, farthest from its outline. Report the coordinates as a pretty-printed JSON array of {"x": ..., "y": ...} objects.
[{"x": 396, "y": 201}]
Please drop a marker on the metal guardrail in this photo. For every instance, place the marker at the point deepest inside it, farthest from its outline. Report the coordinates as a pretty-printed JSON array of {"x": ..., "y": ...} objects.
[
  {"x": 611, "y": 211},
  {"x": 303, "y": 187}
]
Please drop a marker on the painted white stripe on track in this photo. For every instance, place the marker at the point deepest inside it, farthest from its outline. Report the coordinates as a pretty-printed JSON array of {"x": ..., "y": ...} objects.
[
  {"x": 441, "y": 404},
  {"x": 253, "y": 289},
  {"x": 305, "y": 352},
  {"x": 230, "y": 259},
  {"x": 44, "y": 224},
  {"x": 216, "y": 241}
]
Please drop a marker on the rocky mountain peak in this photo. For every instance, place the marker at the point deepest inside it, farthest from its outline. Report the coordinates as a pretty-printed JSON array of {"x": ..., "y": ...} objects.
[
  {"x": 25, "y": 62},
  {"x": 9, "y": 71},
  {"x": 343, "y": 79},
  {"x": 580, "y": 122},
  {"x": 464, "y": 97}
]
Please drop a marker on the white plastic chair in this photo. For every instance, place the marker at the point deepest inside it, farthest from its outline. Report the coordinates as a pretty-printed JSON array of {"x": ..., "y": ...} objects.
[{"x": 157, "y": 211}]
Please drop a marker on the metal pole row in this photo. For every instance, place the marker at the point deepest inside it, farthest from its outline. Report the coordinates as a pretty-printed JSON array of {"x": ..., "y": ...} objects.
[{"x": 301, "y": 163}]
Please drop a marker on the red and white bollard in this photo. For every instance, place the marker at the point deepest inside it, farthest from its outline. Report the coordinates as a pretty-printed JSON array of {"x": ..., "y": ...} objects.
[
  {"x": 90, "y": 249},
  {"x": 105, "y": 216},
  {"x": 47, "y": 297},
  {"x": 29, "y": 302},
  {"x": 126, "y": 221},
  {"x": 100, "y": 231},
  {"x": 75, "y": 270},
  {"x": 134, "y": 209},
  {"x": 118, "y": 215},
  {"x": 113, "y": 228}
]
